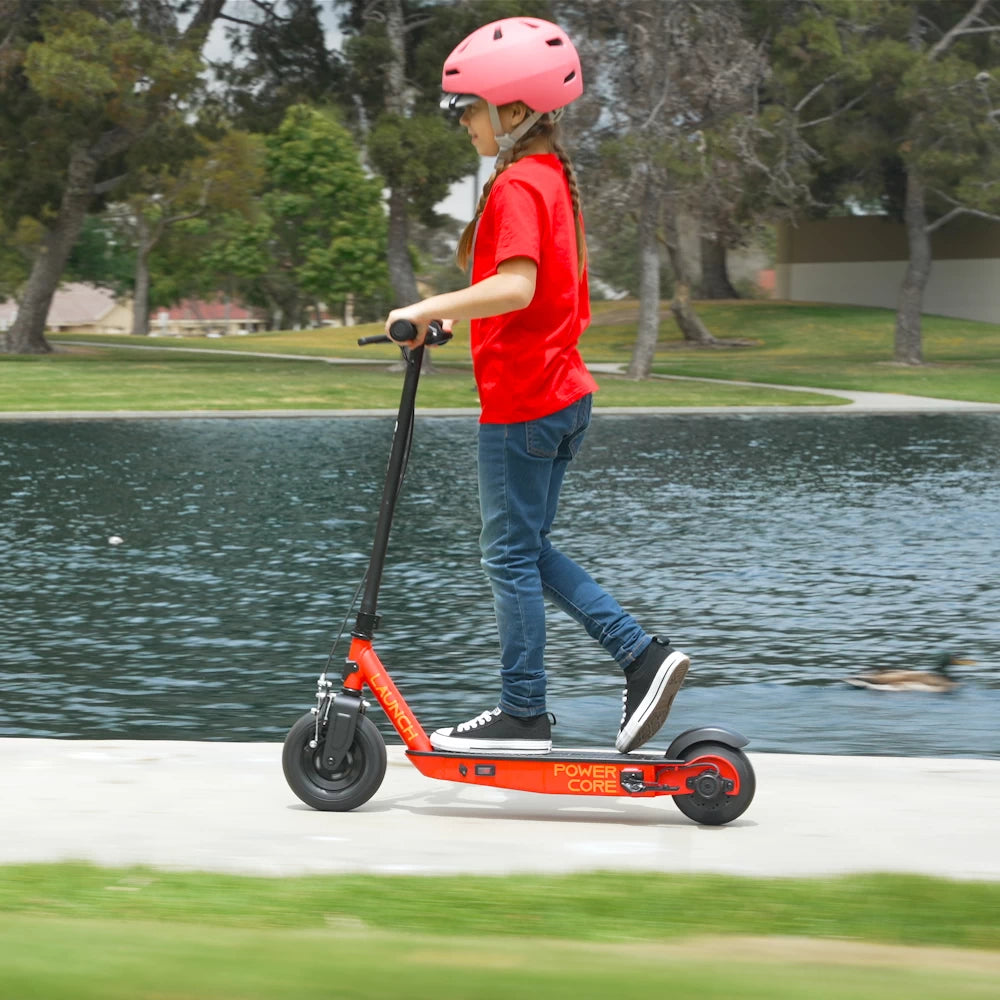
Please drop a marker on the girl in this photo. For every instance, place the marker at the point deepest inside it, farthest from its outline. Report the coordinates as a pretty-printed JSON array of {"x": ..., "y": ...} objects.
[{"x": 528, "y": 302}]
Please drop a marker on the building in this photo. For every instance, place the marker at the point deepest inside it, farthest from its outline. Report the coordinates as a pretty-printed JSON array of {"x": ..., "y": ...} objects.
[
  {"x": 82, "y": 308},
  {"x": 79, "y": 308},
  {"x": 191, "y": 318},
  {"x": 861, "y": 260}
]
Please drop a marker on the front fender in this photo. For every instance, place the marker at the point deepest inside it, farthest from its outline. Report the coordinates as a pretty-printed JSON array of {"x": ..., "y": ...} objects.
[{"x": 705, "y": 734}]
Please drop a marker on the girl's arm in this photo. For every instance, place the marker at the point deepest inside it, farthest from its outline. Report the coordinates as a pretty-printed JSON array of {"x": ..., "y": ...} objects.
[{"x": 511, "y": 288}]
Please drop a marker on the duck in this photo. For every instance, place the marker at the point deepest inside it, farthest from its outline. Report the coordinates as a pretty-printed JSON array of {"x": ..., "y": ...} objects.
[{"x": 936, "y": 679}]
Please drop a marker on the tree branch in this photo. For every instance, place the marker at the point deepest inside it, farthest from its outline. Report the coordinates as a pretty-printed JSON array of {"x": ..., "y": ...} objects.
[
  {"x": 812, "y": 93},
  {"x": 232, "y": 19},
  {"x": 109, "y": 185},
  {"x": 956, "y": 211},
  {"x": 826, "y": 118},
  {"x": 962, "y": 28},
  {"x": 204, "y": 16},
  {"x": 12, "y": 13}
]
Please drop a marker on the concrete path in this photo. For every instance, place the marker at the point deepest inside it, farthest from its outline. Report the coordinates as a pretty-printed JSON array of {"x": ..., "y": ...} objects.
[{"x": 226, "y": 807}]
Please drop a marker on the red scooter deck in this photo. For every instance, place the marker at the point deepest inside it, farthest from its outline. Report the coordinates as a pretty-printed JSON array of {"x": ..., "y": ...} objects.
[{"x": 578, "y": 772}]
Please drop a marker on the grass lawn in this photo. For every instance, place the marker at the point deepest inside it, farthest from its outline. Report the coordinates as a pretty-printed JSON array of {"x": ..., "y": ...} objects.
[
  {"x": 119, "y": 378},
  {"x": 783, "y": 343},
  {"x": 76, "y": 931}
]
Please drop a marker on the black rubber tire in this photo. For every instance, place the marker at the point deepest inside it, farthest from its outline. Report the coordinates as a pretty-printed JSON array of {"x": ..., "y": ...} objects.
[
  {"x": 720, "y": 808},
  {"x": 355, "y": 781}
]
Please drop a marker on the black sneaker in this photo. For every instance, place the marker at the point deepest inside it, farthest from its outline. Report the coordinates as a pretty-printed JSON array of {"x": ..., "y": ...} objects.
[
  {"x": 650, "y": 688},
  {"x": 496, "y": 730}
]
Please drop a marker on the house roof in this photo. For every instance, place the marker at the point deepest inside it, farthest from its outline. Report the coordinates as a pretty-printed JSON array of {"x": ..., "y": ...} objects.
[
  {"x": 189, "y": 309},
  {"x": 73, "y": 304},
  {"x": 77, "y": 304}
]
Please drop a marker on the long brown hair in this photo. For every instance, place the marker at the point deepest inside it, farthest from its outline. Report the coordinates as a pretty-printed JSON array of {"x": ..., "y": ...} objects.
[{"x": 545, "y": 128}]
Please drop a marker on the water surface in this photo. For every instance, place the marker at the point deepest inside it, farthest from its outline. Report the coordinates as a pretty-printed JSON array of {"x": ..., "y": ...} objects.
[{"x": 781, "y": 551}]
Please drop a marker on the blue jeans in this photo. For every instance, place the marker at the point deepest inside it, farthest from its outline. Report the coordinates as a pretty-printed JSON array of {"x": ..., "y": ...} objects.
[{"x": 521, "y": 470}]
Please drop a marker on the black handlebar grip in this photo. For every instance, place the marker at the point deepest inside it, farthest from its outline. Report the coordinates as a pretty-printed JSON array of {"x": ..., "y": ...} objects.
[{"x": 403, "y": 330}]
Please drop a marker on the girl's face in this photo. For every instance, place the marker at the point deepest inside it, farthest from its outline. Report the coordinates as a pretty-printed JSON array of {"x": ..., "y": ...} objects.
[{"x": 476, "y": 121}]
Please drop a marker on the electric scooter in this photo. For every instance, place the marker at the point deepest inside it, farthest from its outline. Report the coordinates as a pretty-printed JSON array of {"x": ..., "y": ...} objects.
[{"x": 334, "y": 756}]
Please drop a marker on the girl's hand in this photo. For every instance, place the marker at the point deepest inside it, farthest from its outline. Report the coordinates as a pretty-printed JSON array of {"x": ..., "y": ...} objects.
[{"x": 414, "y": 315}]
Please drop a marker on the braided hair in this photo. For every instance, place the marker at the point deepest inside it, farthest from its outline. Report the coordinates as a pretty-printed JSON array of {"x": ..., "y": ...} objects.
[{"x": 545, "y": 128}]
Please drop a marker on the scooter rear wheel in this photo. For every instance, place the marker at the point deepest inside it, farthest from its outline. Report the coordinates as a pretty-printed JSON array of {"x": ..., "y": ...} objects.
[
  {"x": 356, "y": 778},
  {"x": 708, "y": 802}
]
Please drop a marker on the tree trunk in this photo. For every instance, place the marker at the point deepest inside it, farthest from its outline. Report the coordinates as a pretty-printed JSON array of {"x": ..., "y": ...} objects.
[
  {"x": 649, "y": 286},
  {"x": 401, "y": 276},
  {"x": 397, "y": 102},
  {"x": 715, "y": 283},
  {"x": 27, "y": 334},
  {"x": 140, "y": 304},
  {"x": 140, "y": 301},
  {"x": 909, "y": 339},
  {"x": 396, "y": 95},
  {"x": 681, "y": 306}
]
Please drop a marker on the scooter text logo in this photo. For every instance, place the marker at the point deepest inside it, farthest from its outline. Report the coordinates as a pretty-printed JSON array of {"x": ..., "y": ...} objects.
[
  {"x": 597, "y": 779},
  {"x": 392, "y": 708}
]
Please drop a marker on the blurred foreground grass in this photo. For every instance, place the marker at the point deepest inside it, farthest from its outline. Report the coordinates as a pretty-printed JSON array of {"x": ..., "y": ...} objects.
[
  {"x": 624, "y": 907},
  {"x": 77, "y": 931}
]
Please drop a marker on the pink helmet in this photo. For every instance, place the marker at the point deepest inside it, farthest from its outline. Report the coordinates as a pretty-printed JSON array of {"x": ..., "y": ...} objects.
[{"x": 516, "y": 59}]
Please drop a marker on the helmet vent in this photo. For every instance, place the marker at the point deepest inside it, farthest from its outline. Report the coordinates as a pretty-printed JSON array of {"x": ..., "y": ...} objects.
[
  {"x": 553, "y": 41},
  {"x": 569, "y": 76},
  {"x": 451, "y": 72},
  {"x": 497, "y": 34}
]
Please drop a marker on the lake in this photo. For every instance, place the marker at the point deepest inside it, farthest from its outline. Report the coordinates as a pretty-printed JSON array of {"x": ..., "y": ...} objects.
[{"x": 781, "y": 551}]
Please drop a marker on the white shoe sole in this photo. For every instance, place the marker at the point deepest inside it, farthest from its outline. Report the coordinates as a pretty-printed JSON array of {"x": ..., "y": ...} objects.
[
  {"x": 653, "y": 710},
  {"x": 457, "y": 744}
]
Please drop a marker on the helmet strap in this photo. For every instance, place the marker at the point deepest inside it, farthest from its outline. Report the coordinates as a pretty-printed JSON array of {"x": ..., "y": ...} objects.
[{"x": 507, "y": 140}]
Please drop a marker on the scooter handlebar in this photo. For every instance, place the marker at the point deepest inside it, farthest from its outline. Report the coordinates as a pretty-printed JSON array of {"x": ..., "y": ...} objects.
[{"x": 402, "y": 331}]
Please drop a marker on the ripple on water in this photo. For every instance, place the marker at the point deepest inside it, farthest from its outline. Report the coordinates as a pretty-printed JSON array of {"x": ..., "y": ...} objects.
[{"x": 783, "y": 552}]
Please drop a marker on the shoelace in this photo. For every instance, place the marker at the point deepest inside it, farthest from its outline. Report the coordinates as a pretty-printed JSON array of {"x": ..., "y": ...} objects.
[{"x": 479, "y": 720}]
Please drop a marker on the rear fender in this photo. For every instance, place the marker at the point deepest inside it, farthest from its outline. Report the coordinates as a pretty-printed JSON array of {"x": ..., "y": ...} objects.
[{"x": 705, "y": 734}]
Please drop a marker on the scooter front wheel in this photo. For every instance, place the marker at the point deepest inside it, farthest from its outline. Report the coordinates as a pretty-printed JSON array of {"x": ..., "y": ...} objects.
[
  {"x": 354, "y": 781},
  {"x": 708, "y": 802}
]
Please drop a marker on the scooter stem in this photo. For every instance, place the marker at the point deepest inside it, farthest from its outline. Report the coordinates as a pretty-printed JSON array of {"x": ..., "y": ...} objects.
[{"x": 367, "y": 620}]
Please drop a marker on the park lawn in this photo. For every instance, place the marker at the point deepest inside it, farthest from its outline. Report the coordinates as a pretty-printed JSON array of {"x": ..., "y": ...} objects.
[
  {"x": 841, "y": 347},
  {"x": 825, "y": 346},
  {"x": 121, "y": 378},
  {"x": 78, "y": 931}
]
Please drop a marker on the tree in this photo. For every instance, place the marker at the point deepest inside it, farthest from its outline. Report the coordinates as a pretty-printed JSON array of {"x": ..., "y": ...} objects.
[
  {"x": 101, "y": 256},
  {"x": 310, "y": 232},
  {"x": 672, "y": 91},
  {"x": 80, "y": 85},
  {"x": 950, "y": 144},
  {"x": 394, "y": 49},
  {"x": 327, "y": 222},
  {"x": 918, "y": 131},
  {"x": 279, "y": 58},
  {"x": 222, "y": 179}
]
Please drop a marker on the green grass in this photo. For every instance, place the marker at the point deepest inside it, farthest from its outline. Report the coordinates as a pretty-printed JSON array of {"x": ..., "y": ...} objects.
[
  {"x": 782, "y": 343},
  {"x": 119, "y": 378},
  {"x": 890, "y": 909},
  {"x": 77, "y": 931},
  {"x": 62, "y": 960},
  {"x": 841, "y": 347}
]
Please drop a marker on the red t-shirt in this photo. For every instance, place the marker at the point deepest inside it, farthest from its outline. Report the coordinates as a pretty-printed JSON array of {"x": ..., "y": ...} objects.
[{"x": 526, "y": 362}]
